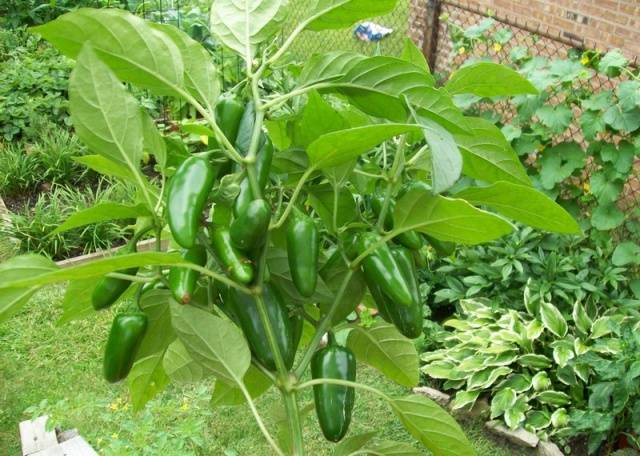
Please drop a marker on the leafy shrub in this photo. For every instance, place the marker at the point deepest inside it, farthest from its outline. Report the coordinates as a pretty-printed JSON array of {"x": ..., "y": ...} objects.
[
  {"x": 542, "y": 368},
  {"x": 18, "y": 13},
  {"x": 32, "y": 226},
  {"x": 579, "y": 137},
  {"x": 557, "y": 269},
  {"x": 27, "y": 168},
  {"x": 33, "y": 85}
]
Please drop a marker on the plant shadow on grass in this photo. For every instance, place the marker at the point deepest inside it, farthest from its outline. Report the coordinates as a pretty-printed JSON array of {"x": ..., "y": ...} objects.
[{"x": 47, "y": 369}]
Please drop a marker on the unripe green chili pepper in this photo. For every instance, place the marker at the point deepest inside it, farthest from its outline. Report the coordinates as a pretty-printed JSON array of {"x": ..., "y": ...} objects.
[
  {"x": 442, "y": 248},
  {"x": 334, "y": 403},
  {"x": 236, "y": 264},
  {"x": 229, "y": 113},
  {"x": 381, "y": 267},
  {"x": 109, "y": 289},
  {"x": 182, "y": 281},
  {"x": 410, "y": 239},
  {"x": 188, "y": 193},
  {"x": 411, "y": 318},
  {"x": 249, "y": 229},
  {"x": 263, "y": 168},
  {"x": 245, "y": 129},
  {"x": 303, "y": 245},
  {"x": 127, "y": 332},
  {"x": 245, "y": 309}
]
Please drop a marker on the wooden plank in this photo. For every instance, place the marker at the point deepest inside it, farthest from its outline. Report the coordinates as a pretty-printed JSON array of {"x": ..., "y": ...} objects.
[
  {"x": 142, "y": 246},
  {"x": 34, "y": 436},
  {"x": 77, "y": 446},
  {"x": 56, "y": 450}
]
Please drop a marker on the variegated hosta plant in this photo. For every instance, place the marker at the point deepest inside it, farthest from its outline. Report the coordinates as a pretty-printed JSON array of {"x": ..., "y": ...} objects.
[{"x": 531, "y": 364}]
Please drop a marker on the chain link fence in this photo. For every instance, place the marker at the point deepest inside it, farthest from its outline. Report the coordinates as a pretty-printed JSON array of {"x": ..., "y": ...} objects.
[{"x": 444, "y": 59}]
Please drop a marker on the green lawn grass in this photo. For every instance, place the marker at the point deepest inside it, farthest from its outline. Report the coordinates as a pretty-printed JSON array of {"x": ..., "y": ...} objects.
[{"x": 57, "y": 371}]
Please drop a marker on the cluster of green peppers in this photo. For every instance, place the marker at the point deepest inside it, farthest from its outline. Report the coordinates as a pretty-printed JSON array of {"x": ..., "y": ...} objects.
[{"x": 237, "y": 248}]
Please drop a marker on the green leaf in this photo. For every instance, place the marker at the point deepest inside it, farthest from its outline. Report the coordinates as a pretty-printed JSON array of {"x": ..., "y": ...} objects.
[
  {"x": 337, "y": 14},
  {"x": 180, "y": 366},
  {"x": 328, "y": 67},
  {"x": 201, "y": 77},
  {"x": 317, "y": 119},
  {"x": 100, "y": 213},
  {"x": 443, "y": 369},
  {"x": 414, "y": 55},
  {"x": 485, "y": 378},
  {"x": 446, "y": 161},
  {"x": 254, "y": 381},
  {"x": 502, "y": 401},
  {"x": 559, "y": 162},
  {"x": 562, "y": 352},
  {"x": 432, "y": 426},
  {"x": 581, "y": 318},
  {"x": 607, "y": 217},
  {"x": 538, "y": 419},
  {"x": 515, "y": 415},
  {"x": 628, "y": 93},
  {"x": 604, "y": 188},
  {"x": 107, "y": 167},
  {"x": 556, "y": 398},
  {"x": 146, "y": 379},
  {"x": 216, "y": 344},
  {"x": 13, "y": 299},
  {"x": 488, "y": 79},
  {"x": 381, "y": 346},
  {"x": 338, "y": 147},
  {"x": 353, "y": 443},
  {"x": 244, "y": 25},
  {"x": 124, "y": 42},
  {"x": 106, "y": 117},
  {"x": 552, "y": 319},
  {"x": 76, "y": 303},
  {"x": 97, "y": 268},
  {"x": 321, "y": 198},
  {"x": 626, "y": 253},
  {"x": 153, "y": 142},
  {"x": 592, "y": 124},
  {"x": 488, "y": 156},
  {"x": 523, "y": 204},
  {"x": 534, "y": 361},
  {"x": 556, "y": 118},
  {"x": 391, "y": 448},
  {"x": 600, "y": 397},
  {"x": 614, "y": 59},
  {"x": 447, "y": 219},
  {"x": 622, "y": 121},
  {"x": 464, "y": 399},
  {"x": 622, "y": 157}
]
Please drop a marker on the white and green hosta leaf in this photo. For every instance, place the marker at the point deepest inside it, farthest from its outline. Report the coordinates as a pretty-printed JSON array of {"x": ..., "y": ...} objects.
[
  {"x": 567, "y": 375},
  {"x": 601, "y": 327},
  {"x": 552, "y": 319},
  {"x": 537, "y": 419},
  {"x": 503, "y": 400},
  {"x": 515, "y": 415},
  {"x": 559, "y": 418},
  {"x": 520, "y": 383},
  {"x": 442, "y": 370},
  {"x": 581, "y": 319},
  {"x": 485, "y": 378},
  {"x": 464, "y": 399},
  {"x": 541, "y": 381},
  {"x": 555, "y": 398},
  {"x": 562, "y": 352},
  {"x": 243, "y": 25},
  {"x": 534, "y": 361}
]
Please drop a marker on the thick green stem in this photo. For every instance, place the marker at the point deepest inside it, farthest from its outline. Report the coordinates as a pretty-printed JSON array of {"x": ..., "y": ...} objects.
[
  {"x": 294, "y": 197},
  {"x": 130, "y": 278},
  {"x": 396, "y": 170},
  {"x": 295, "y": 424}
]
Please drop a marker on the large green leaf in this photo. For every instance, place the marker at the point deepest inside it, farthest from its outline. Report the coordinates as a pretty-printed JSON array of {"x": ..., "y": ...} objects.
[
  {"x": 488, "y": 156},
  {"x": 413, "y": 54},
  {"x": 13, "y": 299},
  {"x": 76, "y": 303},
  {"x": 338, "y": 147},
  {"x": 333, "y": 273},
  {"x": 337, "y": 14},
  {"x": 102, "y": 212},
  {"x": 107, "y": 167},
  {"x": 317, "y": 119},
  {"x": 229, "y": 395},
  {"x": 44, "y": 276},
  {"x": 243, "y": 25},
  {"x": 201, "y": 77},
  {"x": 552, "y": 319},
  {"x": 384, "y": 348},
  {"x": 488, "y": 79},
  {"x": 159, "y": 334},
  {"x": 352, "y": 444},
  {"x": 146, "y": 379},
  {"x": 432, "y": 426},
  {"x": 523, "y": 204},
  {"x": 321, "y": 198},
  {"x": 446, "y": 161},
  {"x": 447, "y": 219},
  {"x": 106, "y": 117},
  {"x": 153, "y": 142},
  {"x": 216, "y": 344},
  {"x": 180, "y": 366},
  {"x": 391, "y": 448},
  {"x": 126, "y": 43},
  {"x": 328, "y": 67}
]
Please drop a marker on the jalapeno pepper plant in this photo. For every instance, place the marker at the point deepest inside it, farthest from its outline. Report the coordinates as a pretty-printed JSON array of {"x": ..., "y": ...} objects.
[{"x": 304, "y": 201}]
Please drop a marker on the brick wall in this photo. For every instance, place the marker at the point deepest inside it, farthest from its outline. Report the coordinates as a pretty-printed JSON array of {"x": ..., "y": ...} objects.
[{"x": 602, "y": 24}]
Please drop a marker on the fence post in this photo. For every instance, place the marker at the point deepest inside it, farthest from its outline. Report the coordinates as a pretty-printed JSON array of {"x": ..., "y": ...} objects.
[{"x": 432, "y": 24}]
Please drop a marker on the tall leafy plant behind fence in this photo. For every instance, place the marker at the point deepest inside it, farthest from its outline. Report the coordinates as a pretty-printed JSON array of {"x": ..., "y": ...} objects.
[{"x": 276, "y": 242}]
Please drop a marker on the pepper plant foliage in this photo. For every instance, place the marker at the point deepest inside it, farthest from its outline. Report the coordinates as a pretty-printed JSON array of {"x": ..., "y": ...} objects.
[{"x": 351, "y": 126}]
